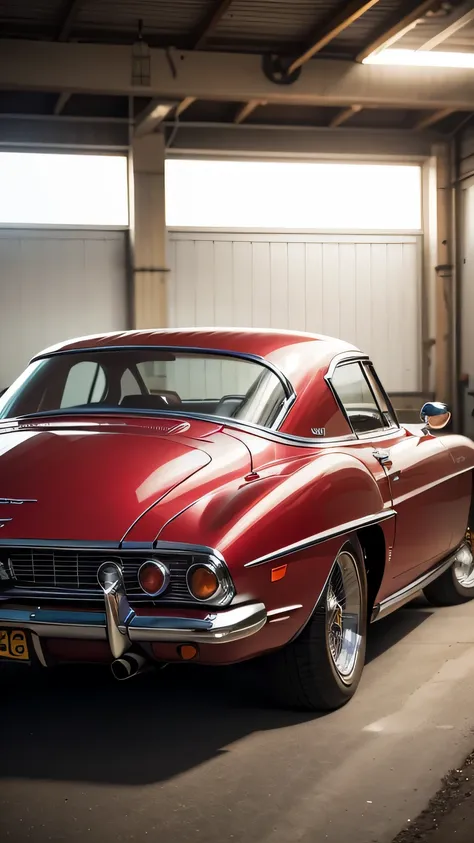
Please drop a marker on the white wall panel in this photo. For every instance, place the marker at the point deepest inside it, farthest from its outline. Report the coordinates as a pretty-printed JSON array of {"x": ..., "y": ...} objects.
[
  {"x": 362, "y": 288},
  {"x": 55, "y": 285}
]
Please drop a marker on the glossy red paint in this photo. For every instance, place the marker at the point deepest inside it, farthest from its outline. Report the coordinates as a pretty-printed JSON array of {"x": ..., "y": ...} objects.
[{"x": 248, "y": 493}]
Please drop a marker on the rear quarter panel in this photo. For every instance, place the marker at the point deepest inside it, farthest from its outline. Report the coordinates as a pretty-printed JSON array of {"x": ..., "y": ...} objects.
[{"x": 288, "y": 504}]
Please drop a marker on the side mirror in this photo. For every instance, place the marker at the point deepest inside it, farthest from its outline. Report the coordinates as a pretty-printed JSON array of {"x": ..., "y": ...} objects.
[{"x": 435, "y": 415}]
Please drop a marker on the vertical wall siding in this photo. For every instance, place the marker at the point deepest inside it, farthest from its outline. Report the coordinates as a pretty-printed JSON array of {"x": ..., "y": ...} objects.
[
  {"x": 54, "y": 286},
  {"x": 363, "y": 289}
]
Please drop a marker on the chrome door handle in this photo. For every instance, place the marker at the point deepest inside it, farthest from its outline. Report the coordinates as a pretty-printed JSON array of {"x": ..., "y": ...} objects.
[{"x": 383, "y": 458}]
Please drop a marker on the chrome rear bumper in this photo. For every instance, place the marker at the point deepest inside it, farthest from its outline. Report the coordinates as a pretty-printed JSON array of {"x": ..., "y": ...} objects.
[{"x": 216, "y": 628}]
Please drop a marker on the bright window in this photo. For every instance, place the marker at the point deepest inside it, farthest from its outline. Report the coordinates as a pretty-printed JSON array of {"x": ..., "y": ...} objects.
[
  {"x": 56, "y": 189},
  {"x": 292, "y": 195}
]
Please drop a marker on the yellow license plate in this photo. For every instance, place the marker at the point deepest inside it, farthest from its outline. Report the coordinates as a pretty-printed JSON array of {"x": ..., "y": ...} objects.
[{"x": 13, "y": 645}]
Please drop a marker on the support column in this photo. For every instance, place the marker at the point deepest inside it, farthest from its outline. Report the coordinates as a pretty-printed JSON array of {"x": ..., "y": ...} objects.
[
  {"x": 148, "y": 232},
  {"x": 444, "y": 269}
]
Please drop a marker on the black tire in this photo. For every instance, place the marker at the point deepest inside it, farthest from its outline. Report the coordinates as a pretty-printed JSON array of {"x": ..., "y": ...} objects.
[
  {"x": 448, "y": 589},
  {"x": 304, "y": 675}
]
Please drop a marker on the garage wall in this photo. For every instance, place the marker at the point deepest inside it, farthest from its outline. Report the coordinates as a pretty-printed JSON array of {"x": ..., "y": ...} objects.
[
  {"x": 363, "y": 288},
  {"x": 55, "y": 285}
]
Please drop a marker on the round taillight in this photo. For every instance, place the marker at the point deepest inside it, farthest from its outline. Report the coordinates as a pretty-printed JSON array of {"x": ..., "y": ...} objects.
[
  {"x": 153, "y": 577},
  {"x": 203, "y": 582}
]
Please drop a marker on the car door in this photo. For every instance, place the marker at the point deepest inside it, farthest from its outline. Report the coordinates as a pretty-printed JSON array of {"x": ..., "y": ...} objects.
[{"x": 413, "y": 464}]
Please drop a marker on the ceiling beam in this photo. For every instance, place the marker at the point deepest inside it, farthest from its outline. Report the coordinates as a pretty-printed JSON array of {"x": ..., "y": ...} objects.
[
  {"x": 397, "y": 25},
  {"x": 151, "y": 116},
  {"x": 332, "y": 27},
  {"x": 67, "y": 24},
  {"x": 448, "y": 31},
  {"x": 209, "y": 23},
  {"x": 246, "y": 110},
  {"x": 247, "y": 139},
  {"x": 344, "y": 115},
  {"x": 431, "y": 119},
  {"x": 61, "y": 102},
  {"x": 232, "y": 77}
]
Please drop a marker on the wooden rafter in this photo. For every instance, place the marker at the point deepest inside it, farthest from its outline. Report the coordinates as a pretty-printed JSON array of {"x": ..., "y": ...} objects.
[
  {"x": 431, "y": 119},
  {"x": 344, "y": 115},
  {"x": 329, "y": 30},
  {"x": 397, "y": 26},
  {"x": 247, "y": 109},
  {"x": 210, "y": 22}
]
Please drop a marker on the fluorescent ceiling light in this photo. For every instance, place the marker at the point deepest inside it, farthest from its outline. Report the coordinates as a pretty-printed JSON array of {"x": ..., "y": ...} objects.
[{"x": 421, "y": 58}]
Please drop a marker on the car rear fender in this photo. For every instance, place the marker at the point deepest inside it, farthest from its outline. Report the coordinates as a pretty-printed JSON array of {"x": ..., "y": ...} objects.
[{"x": 297, "y": 518}]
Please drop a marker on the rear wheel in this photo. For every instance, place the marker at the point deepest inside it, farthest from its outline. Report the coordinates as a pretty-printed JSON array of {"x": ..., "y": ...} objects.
[
  {"x": 456, "y": 585},
  {"x": 321, "y": 668}
]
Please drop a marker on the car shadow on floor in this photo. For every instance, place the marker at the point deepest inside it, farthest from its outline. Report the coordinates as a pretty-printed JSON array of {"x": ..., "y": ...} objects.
[{"x": 79, "y": 724}]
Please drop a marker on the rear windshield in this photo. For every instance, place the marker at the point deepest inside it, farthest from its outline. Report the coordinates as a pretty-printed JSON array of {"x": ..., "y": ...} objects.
[{"x": 151, "y": 381}]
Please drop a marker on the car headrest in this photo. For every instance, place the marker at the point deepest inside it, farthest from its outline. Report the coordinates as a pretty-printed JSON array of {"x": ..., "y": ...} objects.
[
  {"x": 171, "y": 398},
  {"x": 144, "y": 402}
]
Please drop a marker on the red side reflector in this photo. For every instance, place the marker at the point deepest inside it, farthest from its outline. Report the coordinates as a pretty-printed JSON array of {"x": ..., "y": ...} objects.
[
  {"x": 278, "y": 573},
  {"x": 187, "y": 652}
]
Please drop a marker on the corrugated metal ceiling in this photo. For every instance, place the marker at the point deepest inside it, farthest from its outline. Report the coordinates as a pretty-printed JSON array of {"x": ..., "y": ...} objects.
[
  {"x": 247, "y": 24},
  {"x": 173, "y": 17}
]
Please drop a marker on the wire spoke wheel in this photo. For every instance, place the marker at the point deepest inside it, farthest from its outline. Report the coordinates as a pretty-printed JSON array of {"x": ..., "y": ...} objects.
[
  {"x": 463, "y": 568},
  {"x": 344, "y": 616}
]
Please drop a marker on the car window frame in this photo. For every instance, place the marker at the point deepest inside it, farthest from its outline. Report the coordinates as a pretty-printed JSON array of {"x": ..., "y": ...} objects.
[
  {"x": 288, "y": 389},
  {"x": 363, "y": 361},
  {"x": 369, "y": 367}
]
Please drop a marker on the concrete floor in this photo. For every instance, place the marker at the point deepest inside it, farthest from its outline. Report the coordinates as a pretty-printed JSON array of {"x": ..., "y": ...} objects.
[{"x": 190, "y": 756}]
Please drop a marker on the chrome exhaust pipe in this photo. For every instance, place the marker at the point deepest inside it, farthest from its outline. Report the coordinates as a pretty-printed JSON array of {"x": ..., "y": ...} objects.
[{"x": 130, "y": 664}]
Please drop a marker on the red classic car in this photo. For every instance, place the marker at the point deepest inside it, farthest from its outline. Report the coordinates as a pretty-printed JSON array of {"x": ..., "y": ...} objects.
[{"x": 219, "y": 495}]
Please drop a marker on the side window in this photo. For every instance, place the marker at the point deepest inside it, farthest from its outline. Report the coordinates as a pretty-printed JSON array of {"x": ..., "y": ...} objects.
[
  {"x": 86, "y": 384},
  {"x": 357, "y": 398},
  {"x": 382, "y": 398}
]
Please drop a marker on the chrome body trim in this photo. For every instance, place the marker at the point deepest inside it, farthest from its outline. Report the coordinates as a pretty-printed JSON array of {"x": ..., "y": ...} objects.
[
  {"x": 56, "y": 623},
  {"x": 118, "y": 611},
  {"x": 421, "y": 489},
  {"x": 216, "y": 628},
  {"x": 408, "y": 592},
  {"x": 38, "y": 649},
  {"x": 284, "y": 610},
  {"x": 113, "y": 547},
  {"x": 324, "y": 536},
  {"x": 16, "y": 501}
]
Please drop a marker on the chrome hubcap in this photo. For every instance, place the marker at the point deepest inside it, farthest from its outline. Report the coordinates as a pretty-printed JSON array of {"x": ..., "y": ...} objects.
[
  {"x": 464, "y": 567},
  {"x": 343, "y": 615}
]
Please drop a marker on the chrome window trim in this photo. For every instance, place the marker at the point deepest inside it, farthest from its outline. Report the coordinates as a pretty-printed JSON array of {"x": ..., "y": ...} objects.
[
  {"x": 246, "y": 427},
  {"x": 274, "y": 433},
  {"x": 323, "y": 536},
  {"x": 345, "y": 359},
  {"x": 290, "y": 394},
  {"x": 370, "y": 366}
]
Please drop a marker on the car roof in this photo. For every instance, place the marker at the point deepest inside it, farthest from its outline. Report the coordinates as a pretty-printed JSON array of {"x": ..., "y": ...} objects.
[{"x": 295, "y": 353}]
